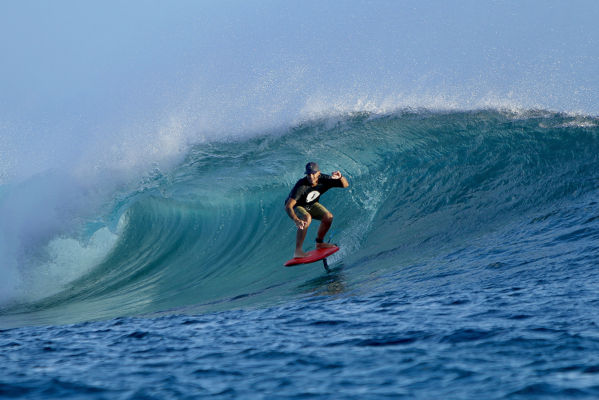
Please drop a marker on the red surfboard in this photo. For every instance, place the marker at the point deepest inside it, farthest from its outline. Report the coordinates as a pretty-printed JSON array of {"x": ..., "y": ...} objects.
[{"x": 312, "y": 256}]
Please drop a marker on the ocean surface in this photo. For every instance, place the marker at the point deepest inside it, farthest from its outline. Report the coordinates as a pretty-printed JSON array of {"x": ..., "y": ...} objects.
[{"x": 469, "y": 246}]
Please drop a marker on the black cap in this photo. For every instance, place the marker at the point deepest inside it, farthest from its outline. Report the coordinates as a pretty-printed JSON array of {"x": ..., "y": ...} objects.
[{"x": 311, "y": 168}]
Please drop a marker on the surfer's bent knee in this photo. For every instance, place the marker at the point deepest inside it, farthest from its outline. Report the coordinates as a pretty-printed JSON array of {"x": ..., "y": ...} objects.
[{"x": 303, "y": 214}]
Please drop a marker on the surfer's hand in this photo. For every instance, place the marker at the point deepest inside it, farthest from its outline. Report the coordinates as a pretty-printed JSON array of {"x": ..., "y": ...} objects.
[
  {"x": 301, "y": 224},
  {"x": 336, "y": 175}
]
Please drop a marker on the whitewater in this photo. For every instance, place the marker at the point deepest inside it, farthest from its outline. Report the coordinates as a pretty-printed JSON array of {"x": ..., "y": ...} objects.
[{"x": 144, "y": 169}]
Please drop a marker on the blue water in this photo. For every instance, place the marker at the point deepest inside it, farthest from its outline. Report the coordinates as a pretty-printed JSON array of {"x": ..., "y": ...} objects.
[{"x": 469, "y": 242}]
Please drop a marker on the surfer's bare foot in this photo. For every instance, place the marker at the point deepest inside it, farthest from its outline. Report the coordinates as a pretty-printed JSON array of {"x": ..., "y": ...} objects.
[
  {"x": 324, "y": 245},
  {"x": 299, "y": 254}
]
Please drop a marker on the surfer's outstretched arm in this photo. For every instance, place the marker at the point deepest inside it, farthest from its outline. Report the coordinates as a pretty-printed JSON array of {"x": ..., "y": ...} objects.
[
  {"x": 300, "y": 223},
  {"x": 337, "y": 175}
]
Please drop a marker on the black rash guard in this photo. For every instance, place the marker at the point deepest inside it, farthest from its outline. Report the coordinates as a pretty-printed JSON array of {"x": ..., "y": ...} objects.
[{"x": 306, "y": 195}]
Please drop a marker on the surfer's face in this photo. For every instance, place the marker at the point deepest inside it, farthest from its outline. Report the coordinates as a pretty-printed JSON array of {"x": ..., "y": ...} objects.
[{"x": 313, "y": 178}]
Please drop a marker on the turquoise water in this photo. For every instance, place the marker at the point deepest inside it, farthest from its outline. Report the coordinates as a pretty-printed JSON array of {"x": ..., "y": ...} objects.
[{"x": 467, "y": 268}]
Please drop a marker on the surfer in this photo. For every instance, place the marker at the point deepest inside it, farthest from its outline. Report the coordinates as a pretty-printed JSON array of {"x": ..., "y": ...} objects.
[{"x": 302, "y": 205}]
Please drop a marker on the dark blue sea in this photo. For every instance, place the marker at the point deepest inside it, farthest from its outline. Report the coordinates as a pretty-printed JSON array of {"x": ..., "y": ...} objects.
[{"x": 467, "y": 270}]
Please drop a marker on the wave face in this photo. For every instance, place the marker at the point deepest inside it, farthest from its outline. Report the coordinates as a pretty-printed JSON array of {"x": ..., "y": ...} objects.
[{"x": 211, "y": 233}]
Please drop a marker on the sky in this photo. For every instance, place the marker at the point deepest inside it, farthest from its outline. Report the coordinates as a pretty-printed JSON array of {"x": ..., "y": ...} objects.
[{"x": 122, "y": 83}]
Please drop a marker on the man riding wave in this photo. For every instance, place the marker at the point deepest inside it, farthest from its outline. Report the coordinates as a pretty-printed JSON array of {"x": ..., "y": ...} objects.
[{"x": 302, "y": 205}]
